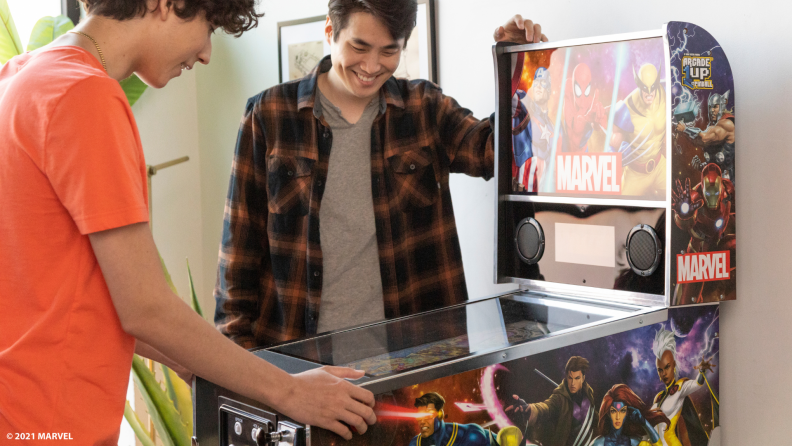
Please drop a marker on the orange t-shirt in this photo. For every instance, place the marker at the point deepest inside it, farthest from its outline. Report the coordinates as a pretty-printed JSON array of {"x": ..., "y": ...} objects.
[{"x": 71, "y": 164}]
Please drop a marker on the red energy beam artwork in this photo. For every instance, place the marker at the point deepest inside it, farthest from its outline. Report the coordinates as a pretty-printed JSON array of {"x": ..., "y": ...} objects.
[{"x": 387, "y": 411}]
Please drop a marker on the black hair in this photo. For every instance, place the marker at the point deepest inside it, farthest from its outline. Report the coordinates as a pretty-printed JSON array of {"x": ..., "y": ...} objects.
[
  {"x": 397, "y": 15},
  {"x": 430, "y": 398}
]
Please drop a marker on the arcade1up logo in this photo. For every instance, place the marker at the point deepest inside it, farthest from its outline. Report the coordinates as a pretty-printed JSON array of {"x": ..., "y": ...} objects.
[
  {"x": 696, "y": 72},
  {"x": 589, "y": 173}
]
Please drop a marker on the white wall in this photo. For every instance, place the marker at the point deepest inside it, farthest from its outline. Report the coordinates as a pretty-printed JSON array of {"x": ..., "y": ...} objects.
[
  {"x": 754, "y": 334},
  {"x": 168, "y": 123}
]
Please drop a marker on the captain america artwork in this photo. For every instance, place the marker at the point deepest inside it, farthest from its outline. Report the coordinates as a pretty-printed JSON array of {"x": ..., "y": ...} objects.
[{"x": 532, "y": 128}]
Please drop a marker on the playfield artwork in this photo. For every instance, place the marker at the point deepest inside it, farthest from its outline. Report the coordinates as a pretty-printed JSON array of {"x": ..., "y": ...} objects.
[{"x": 444, "y": 350}]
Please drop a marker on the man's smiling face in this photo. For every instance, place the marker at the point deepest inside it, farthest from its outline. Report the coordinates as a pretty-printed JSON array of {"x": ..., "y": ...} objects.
[{"x": 364, "y": 55}]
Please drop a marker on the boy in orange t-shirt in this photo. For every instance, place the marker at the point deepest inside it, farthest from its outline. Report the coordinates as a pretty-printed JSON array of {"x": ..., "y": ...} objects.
[{"x": 81, "y": 286}]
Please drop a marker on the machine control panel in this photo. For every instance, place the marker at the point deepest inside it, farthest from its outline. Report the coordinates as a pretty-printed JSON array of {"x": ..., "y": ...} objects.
[
  {"x": 241, "y": 425},
  {"x": 244, "y": 425},
  {"x": 287, "y": 434}
]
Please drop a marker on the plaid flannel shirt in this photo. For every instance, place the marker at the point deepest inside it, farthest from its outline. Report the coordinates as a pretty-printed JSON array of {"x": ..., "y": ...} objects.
[{"x": 269, "y": 284}]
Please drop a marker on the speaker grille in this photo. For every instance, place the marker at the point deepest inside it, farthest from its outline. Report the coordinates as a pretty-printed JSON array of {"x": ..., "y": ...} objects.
[
  {"x": 644, "y": 251},
  {"x": 529, "y": 240}
]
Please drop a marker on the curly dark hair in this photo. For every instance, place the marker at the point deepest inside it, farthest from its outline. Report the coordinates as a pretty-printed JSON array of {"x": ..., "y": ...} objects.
[
  {"x": 234, "y": 16},
  {"x": 397, "y": 15}
]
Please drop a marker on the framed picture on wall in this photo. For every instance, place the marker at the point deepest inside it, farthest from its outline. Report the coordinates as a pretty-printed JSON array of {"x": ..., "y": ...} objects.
[{"x": 301, "y": 45}]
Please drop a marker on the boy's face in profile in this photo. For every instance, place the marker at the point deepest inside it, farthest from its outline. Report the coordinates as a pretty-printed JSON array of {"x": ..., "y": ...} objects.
[
  {"x": 188, "y": 42},
  {"x": 364, "y": 55}
]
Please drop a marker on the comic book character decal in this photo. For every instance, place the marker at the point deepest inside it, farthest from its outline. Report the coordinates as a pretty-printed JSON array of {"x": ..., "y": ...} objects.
[
  {"x": 582, "y": 110},
  {"x": 625, "y": 420},
  {"x": 435, "y": 431},
  {"x": 639, "y": 129},
  {"x": 656, "y": 384},
  {"x": 717, "y": 139},
  {"x": 567, "y": 417},
  {"x": 685, "y": 428},
  {"x": 532, "y": 128},
  {"x": 706, "y": 213},
  {"x": 703, "y": 166},
  {"x": 532, "y": 132},
  {"x": 583, "y": 115}
]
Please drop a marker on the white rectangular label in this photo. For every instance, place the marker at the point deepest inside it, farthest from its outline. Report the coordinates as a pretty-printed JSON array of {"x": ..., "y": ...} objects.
[{"x": 585, "y": 244}]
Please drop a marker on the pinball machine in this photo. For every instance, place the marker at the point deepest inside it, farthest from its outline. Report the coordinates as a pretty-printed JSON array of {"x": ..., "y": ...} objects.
[{"x": 615, "y": 216}]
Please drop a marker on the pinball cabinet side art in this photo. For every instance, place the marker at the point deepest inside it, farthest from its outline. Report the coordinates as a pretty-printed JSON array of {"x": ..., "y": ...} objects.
[
  {"x": 655, "y": 385},
  {"x": 703, "y": 168},
  {"x": 615, "y": 174}
]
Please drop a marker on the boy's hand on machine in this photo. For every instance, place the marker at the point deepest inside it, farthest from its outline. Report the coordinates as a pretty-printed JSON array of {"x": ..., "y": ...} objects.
[
  {"x": 323, "y": 397},
  {"x": 519, "y": 30}
]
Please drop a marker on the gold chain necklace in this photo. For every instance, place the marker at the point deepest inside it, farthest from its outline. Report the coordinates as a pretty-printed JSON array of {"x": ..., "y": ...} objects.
[{"x": 99, "y": 50}]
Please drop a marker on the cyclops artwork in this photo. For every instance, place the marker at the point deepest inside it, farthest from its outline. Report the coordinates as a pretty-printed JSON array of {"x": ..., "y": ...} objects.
[{"x": 434, "y": 430}]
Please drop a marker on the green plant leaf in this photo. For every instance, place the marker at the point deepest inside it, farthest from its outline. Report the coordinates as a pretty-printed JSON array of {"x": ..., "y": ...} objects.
[
  {"x": 48, "y": 29},
  {"x": 140, "y": 432},
  {"x": 10, "y": 45},
  {"x": 133, "y": 88},
  {"x": 181, "y": 395},
  {"x": 161, "y": 408},
  {"x": 193, "y": 297},
  {"x": 168, "y": 276}
]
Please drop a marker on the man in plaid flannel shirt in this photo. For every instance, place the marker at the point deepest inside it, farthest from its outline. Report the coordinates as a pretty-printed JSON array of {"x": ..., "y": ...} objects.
[{"x": 274, "y": 260}]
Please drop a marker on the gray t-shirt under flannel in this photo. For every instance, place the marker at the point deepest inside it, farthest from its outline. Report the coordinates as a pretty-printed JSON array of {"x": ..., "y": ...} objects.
[{"x": 351, "y": 283}]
